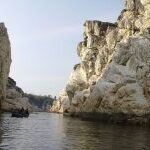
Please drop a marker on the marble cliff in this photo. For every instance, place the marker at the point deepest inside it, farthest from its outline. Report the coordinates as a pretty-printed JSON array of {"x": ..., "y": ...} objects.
[
  {"x": 113, "y": 76},
  {"x": 11, "y": 96},
  {"x": 5, "y": 60}
]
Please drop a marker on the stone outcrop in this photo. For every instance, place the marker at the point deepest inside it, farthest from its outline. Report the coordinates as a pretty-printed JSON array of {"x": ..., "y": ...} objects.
[
  {"x": 62, "y": 105},
  {"x": 15, "y": 98},
  {"x": 5, "y": 60},
  {"x": 113, "y": 76}
]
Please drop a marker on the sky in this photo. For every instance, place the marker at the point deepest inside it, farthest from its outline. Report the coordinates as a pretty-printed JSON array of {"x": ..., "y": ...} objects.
[{"x": 44, "y": 35}]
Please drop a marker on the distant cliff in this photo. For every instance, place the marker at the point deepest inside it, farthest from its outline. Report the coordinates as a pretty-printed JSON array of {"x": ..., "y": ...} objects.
[
  {"x": 39, "y": 102},
  {"x": 113, "y": 76},
  {"x": 15, "y": 97}
]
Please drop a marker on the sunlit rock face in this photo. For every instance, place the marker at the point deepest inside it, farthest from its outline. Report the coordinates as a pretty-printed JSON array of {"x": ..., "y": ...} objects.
[
  {"x": 15, "y": 98},
  {"x": 5, "y": 60},
  {"x": 114, "y": 73}
]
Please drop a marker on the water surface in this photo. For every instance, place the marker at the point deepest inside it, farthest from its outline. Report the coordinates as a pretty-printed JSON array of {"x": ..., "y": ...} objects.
[{"x": 44, "y": 131}]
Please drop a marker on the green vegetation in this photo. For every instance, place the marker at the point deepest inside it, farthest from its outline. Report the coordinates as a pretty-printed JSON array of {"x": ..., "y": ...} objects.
[{"x": 40, "y": 102}]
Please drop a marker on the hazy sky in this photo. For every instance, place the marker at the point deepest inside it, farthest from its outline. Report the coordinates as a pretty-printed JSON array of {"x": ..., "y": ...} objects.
[{"x": 44, "y": 35}]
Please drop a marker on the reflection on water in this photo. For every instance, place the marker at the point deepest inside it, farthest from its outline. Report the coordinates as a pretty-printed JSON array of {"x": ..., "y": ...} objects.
[{"x": 43, "y": 131}]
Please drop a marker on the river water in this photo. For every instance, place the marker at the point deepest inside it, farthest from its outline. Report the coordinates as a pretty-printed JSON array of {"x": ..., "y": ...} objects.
[{"x": 44, "y": 131}]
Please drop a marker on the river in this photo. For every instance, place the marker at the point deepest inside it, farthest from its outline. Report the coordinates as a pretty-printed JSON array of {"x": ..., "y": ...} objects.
[{"x": 44, "y": 131}]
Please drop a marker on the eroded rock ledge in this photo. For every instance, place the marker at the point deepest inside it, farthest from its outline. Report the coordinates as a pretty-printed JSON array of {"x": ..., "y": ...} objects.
[{"x": 113, "y": 76}]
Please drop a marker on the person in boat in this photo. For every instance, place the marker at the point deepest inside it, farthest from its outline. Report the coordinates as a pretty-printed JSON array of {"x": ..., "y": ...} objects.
[
  {"x": 21, "y": 111},
  {"x": 27, "y": 111},
  {"x": 12, "y": 110}
]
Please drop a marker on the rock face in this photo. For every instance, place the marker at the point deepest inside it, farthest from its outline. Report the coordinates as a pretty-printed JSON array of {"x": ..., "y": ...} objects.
[
  {"x": 113, "y": 76},
  {"x": 62, "y": 105},
  {"x": 15, "y": 98},
  {"x": 5, "y": 60}
]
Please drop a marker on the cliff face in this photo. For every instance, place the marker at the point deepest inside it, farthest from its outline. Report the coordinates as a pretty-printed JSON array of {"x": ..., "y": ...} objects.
[
  {"x": 114, "y": 73},
  {"x": 5, "y": 60},
  {"x": 15, "y": 97},
  {"x": 11, "y": 96}
]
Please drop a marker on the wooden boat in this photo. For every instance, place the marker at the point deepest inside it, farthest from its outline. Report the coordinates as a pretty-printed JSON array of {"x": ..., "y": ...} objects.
[{"x": 19, "y": 114}]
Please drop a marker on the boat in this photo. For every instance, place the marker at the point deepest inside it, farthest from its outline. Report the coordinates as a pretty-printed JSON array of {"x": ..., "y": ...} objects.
[{"x": 20, "y": 114}]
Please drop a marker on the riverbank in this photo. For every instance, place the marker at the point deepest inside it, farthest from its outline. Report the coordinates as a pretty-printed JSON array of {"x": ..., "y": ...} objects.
[{"x": 142, "y": 120}]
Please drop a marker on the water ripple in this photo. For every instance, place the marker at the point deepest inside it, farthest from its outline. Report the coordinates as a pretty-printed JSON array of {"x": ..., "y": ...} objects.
[{"x": 45, "y": 131}]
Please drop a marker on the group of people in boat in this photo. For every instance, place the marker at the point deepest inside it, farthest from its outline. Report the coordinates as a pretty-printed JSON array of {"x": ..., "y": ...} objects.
[{"x": 20, "y": 112}]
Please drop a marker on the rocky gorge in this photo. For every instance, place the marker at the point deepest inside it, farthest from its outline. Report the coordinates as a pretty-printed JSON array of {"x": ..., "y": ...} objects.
[{"x": 112, "y": 81}]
